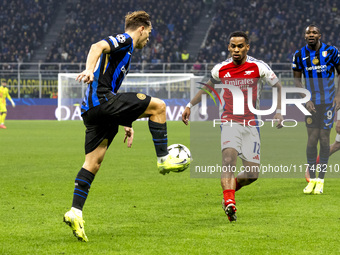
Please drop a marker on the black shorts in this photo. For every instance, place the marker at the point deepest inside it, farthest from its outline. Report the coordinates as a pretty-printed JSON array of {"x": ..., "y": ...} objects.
[
  {"x": 103, "y": 120},
  {"x": 323, "y": 118}
]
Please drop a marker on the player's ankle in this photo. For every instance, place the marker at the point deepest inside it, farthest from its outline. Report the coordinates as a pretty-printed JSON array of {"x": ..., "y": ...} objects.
[
  {"x": 229, "y": 196},
  {"x": 162, "y": 159},
  {"x": 77, "y": 211}
]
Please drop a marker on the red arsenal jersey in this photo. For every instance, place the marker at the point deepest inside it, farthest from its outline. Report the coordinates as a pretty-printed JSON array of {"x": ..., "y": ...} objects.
[{"x": 243, "y": 77}]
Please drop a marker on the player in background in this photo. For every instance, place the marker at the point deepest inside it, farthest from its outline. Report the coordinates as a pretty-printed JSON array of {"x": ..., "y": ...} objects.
[
  {"x": 241, "y": 139},
  {"x": 336, "y": 145},
  {"x": 103, "y": 110},
  {"x": 317, "y": 62},
  {"x": 3, "y": 109}
]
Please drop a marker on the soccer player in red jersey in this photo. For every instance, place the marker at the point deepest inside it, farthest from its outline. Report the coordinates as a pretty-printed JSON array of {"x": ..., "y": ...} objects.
[{"x": 242, "y": 139}]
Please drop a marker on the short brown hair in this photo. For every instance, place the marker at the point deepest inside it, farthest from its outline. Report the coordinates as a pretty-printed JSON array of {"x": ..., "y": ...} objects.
[{"x": 134, "y": 20}]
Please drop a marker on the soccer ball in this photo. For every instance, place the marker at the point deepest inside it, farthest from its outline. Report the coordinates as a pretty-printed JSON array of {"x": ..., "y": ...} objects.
[{"x": 178, "y": 150}]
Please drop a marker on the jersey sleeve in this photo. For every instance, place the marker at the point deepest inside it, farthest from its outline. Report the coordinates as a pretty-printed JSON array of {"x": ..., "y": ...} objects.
[
  {"x": 296, "y": 65},
  {"x": 336, "y": 57},
  {"x": 118, "y": 42},
  {"x": 215, "y": 78},
  {"x": 267, "y": 74}
]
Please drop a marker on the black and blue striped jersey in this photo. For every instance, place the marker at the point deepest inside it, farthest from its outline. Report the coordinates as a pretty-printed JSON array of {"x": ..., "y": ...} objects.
[
  {"x": 110, "y": 70},
  {"x": 318, "y": 68}
]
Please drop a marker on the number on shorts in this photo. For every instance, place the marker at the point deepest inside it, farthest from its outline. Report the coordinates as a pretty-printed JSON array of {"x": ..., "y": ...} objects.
[
  {"x": 329, "y": 114},
  {"x": 256, "y": 148}
]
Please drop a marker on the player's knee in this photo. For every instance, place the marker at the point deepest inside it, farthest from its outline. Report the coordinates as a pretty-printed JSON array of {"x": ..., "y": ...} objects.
[
  {"x": 161, "y": 106},
  {"x": 337, "y": 145},
  {"x": 228, "y": 160},
  {"x": 156, "y": 107},
  {"x": 253, "y": 176},
  {"x": 324, "y": 142},
  {"x": 312, "y": 142}
]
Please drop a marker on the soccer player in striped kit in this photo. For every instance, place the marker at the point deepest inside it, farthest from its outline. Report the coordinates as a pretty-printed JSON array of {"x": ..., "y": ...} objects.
[
  {"x": 317, "y": 62},
  {"x": 104, "y": 110}
]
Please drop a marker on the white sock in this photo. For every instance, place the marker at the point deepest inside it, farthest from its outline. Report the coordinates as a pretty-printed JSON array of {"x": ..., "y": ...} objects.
[
  {"x": 78, "y": 212},
  {"x": 162, "y": 159}
]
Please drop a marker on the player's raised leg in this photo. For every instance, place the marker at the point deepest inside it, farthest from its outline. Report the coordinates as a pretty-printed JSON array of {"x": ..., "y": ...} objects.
[
  {"x": 335, "y": 146},
  {"x": 156, "y": 111},
  {"x": 247, "y": 176},
  {"x": 228, "y": 182},
  {"x": 83, "y": 181}
]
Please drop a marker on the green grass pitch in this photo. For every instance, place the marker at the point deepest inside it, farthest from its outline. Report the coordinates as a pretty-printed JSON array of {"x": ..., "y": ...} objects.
[{"x": 131, "y": 209}]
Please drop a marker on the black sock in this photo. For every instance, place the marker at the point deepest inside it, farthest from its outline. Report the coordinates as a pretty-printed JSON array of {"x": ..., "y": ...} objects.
[
  {"x": 82, "y": 186},
  {"x": 159, "y": 137},
  {"x": 324, "y": 155},
  {"x": 312, "y": 153}
]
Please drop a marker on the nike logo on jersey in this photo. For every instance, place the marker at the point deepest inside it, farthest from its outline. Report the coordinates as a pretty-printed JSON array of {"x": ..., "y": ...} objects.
[
  {"x": 227, "y": 75},
  {"x": 305, "y": 58},
  {"x": 328, "y": 124},
  {"x": 249, "y": 72}
]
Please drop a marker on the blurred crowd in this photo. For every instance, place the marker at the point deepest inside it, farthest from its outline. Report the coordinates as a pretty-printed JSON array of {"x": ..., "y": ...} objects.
[
  {"x": 23, "y": 24},
  {"x": 90, "y": 21},
  {"x": 275, "y": 28}
]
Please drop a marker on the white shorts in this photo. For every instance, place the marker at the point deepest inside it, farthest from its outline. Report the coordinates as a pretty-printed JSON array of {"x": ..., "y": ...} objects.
[
  {"x": 337, "y": 138},
  {"x": 246, "y": 140}
]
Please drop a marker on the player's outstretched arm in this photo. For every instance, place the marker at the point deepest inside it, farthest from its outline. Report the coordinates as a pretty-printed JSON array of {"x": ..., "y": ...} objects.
[
  {"x": 297, "y": 80},
  {"x": 128, "y": 136},
  {"x": 10, "y": 99},
  {"x": 194, "y": 101},
  {"x": 92, "y": 58}
]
